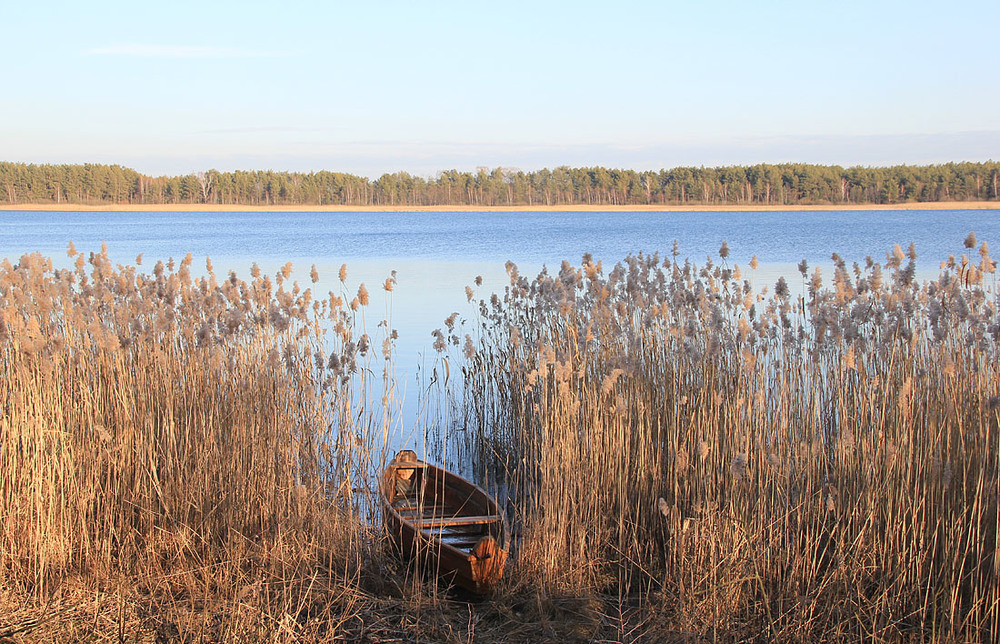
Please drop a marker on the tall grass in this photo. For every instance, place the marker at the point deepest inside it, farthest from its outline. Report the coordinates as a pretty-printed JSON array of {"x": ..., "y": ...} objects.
[
  {"x": 195, "y": 442},
  {"x": 814, "y": 462},
  {"x": 684, "y": 454}
]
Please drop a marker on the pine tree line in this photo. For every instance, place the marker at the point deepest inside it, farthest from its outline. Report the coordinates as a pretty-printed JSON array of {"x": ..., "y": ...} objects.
[{"x": 761, "y": 184}]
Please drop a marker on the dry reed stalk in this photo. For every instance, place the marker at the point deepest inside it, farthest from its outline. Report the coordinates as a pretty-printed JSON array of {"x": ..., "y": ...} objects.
[
  {"x": 184, "y": 440},
  {"x": 816, "y": 468}
]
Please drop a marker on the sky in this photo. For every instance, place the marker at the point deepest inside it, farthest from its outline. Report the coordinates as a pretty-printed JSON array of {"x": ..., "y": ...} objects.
[{"x": 376, "y": 86}]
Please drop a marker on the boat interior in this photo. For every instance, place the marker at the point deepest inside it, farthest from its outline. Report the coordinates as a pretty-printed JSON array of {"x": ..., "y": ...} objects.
[{"x": 441, "y": 506}]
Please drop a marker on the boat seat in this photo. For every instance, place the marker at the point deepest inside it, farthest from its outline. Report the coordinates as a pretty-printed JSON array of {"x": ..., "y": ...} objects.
[
  {"x": 446, "y": 522},
  {"x": 429, "y": 510},
  {"x": 409, "y": 465}
]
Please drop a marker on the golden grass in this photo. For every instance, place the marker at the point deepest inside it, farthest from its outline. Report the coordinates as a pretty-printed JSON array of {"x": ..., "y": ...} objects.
[
  {"x": 792, "y": 467},
  {"x": 191, "y": 459},
  {"x": 685, "y": 457},
  {"x": 180, "y": 445}
]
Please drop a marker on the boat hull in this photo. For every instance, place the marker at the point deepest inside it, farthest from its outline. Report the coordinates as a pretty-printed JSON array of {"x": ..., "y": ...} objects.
[{"x": 448, "y": 523}]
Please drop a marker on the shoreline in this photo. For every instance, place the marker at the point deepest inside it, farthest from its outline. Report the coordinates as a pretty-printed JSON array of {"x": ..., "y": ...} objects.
[{"x": 934, "y": 205}]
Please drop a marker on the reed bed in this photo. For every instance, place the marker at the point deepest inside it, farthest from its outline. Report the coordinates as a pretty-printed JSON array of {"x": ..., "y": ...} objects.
[
  {"x": 180, "y": 456},
  {"x": 813, "y": 461},
  {"x": 684, "y": 454}
]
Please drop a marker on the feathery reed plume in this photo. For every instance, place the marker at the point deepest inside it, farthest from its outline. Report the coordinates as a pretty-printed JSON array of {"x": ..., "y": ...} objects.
[
  {"x": 655, "y": 383},
  {"x": 182, "y": 441}
]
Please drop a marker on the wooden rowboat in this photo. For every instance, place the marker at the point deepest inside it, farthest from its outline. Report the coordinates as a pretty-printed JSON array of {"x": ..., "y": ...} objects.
[{"x": 445, "y": 520}]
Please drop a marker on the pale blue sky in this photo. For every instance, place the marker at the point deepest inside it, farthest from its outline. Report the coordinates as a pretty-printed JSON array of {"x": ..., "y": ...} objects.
[{"x": 377, "y": 86}]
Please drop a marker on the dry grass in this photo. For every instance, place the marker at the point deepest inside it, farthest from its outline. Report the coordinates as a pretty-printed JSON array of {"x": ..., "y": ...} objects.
[
  {"x": 812, "y": 464},
  {"x": 685, "y": 458},
  {"x": 190, "y": 459},
  {"x": 183, "y": 449}
]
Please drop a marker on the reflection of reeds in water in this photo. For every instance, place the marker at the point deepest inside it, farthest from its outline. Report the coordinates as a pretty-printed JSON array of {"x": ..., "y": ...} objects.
[
  {"x": 194, "y": 435},
  {"x": 799, "y": 465}
]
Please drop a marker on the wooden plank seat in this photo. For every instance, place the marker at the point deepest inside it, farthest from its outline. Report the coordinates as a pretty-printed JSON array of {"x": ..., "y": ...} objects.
[
  {"x": 447, "y": 522},
  {"x": 412, "y": 465},
  {"x": 435, "y": 510}
]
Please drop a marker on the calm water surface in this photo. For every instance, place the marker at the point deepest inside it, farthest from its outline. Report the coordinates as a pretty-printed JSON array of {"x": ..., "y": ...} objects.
[
  {"x": 438, "y": 254},
  {"x": 529, "y": 238}
]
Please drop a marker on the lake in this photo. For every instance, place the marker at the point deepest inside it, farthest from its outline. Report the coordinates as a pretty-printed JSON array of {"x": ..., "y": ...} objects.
[{"x": 437, "y": 255}]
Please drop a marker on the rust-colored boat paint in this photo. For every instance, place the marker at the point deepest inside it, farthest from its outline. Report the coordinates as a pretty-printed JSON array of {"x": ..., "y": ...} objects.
[{"x": 452, "y": 524}]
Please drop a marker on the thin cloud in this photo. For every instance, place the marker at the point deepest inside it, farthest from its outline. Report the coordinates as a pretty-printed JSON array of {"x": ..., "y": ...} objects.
[
  {"x": 180, "y": 51},
  {"x": 261, "y": 130}
]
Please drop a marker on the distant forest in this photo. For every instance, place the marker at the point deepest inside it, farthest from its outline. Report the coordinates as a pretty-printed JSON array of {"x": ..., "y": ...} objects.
[{"x": 763, "y": 184}]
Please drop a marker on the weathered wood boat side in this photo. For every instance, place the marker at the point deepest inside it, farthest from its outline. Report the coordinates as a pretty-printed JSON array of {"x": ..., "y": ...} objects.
[{"x": 448, "y": 521}]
